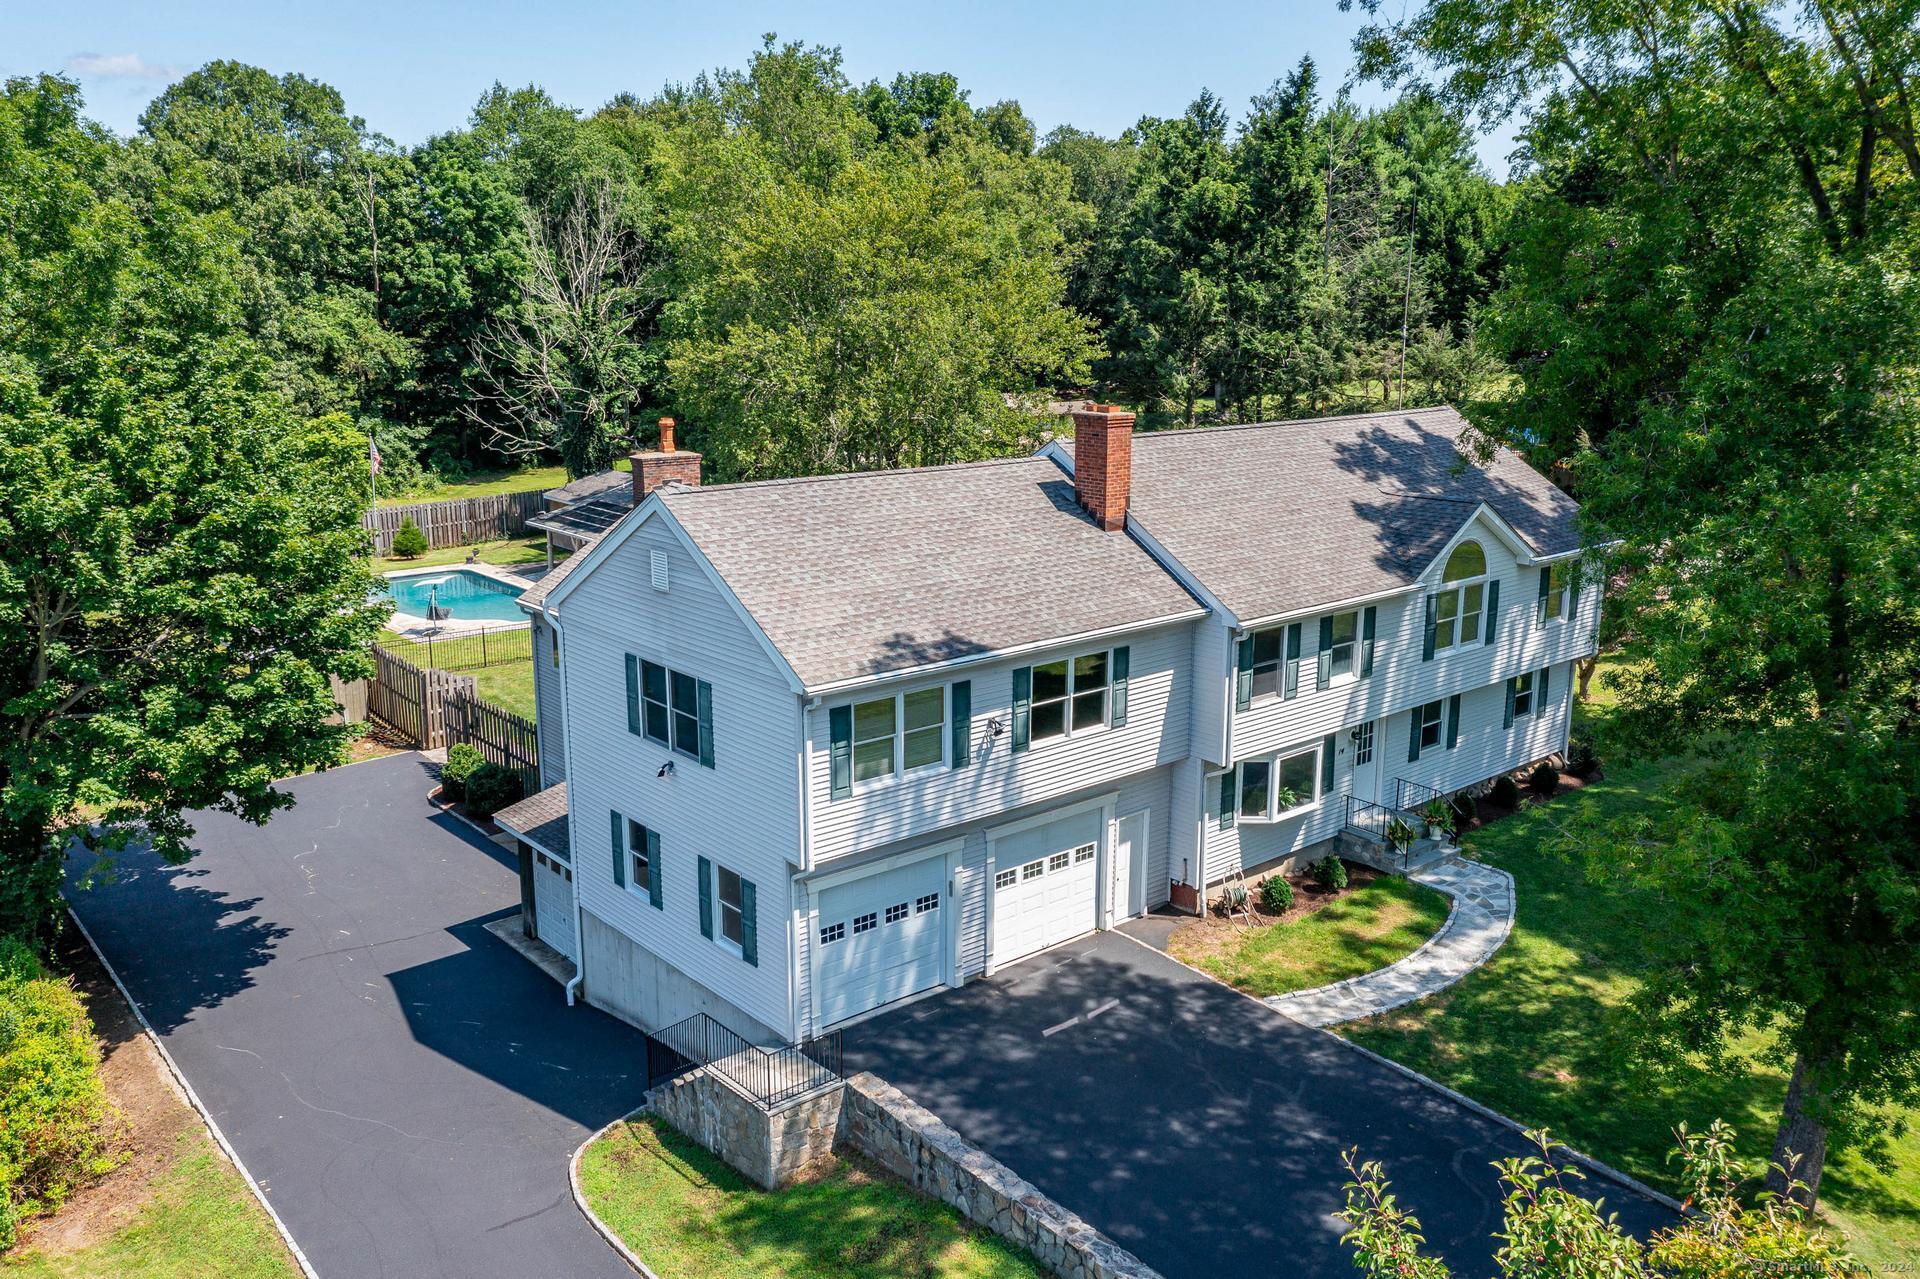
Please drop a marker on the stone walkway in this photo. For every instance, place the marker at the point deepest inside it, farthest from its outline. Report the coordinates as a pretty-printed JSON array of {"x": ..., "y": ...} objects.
[{"x": 1477, "y": 926}]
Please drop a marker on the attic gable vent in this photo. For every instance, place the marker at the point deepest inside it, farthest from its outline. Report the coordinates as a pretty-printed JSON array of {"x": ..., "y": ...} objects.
[{"x": 659, "y": 570}]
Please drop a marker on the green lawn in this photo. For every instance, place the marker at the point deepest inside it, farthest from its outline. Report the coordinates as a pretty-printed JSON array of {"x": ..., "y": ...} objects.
[
  {"x": 201, "y": 1223},
  {"x": 1365, "y": 929},
  {"x": 516, "y": 550},
  {"x": 1543, "y": 1034},
  {"x": 488, "y": 483},
  {"x": 689, "y": 1216}
]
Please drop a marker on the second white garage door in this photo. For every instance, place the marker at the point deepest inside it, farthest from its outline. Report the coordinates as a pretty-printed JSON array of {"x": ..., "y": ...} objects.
[
  {"x": 1045, "y": 884},
  {"x": 878, "y": 938}
]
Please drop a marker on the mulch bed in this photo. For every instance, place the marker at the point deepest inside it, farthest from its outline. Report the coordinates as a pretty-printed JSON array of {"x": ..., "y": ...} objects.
[{"x": 1487, "y": 811}]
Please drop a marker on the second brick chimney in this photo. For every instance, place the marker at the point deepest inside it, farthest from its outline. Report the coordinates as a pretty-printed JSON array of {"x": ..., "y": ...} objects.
[
  {"x": 663, "y": 465},
  {"x": 1103, "y": 462}
]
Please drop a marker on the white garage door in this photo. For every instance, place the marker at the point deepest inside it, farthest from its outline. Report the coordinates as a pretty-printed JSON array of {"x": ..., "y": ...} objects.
[
  {"x": 878, "y": 939},
  {"x": 1044, "y": 885},
  {"x": 553, "y": 903}
]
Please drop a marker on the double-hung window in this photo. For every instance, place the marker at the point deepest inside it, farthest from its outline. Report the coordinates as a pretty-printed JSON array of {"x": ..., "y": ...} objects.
[
  {"x": 672, "y": 708},
  {"x": 1070, "y": 696},
  {"x": 1428, "y": 725},
  {"x": 1457, "y": 608},
  {"x": 1343, "y": 636},
  {"x": 728, "y": 911},
  {"x": 640, "y": 868},
  {"x": 732, "y": 908},
  {"x": 899, "y": 733},
  {"x": 1523, "y": 695},
  {"x": 1557, "y": 602},
  {"x": 1266, "y": 661}
]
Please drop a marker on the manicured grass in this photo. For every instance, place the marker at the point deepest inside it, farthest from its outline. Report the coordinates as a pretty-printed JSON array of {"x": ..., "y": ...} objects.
[
  {"x": 517, "y": 550},
  {"x": 689, "y": 1216},
  {"x": 1368, "y": 928},
  {"x": 488, "y": 483},
  {"x": 201, "y": 1223},
  {"x": 507, "y": 684},
  {"x": 1543, "y": 1032}
]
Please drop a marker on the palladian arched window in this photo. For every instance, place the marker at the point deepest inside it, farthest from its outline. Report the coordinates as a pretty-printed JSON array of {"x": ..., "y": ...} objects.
[{"x": 1457, "y": 609}]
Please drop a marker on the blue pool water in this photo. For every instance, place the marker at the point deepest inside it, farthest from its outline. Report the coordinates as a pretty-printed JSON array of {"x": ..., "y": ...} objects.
[{"x": 471, "y": 597}]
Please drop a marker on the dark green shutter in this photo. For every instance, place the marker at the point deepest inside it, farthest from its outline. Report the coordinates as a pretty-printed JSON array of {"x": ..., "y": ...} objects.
[
  {"x": 1413, "y": 734},
  {"x": 1226, "y": 801},
  {"x": 633, "y": 694},
  {"x": 1540, "y": 607},
  {"x": 1573, "y": 591},
  {"x": 840, "y": 754},
  {"x": 1540, "y": 688},
  {"x": 1366, "y": 641},
  {"x": 706, "y": 899},
  {"x": 962, "y": 727},
  {"x": 1022, "y": 706},
  {"x": 1493, "y": 607},
  {"x": 705, "y": 693},
  {"x": 1243, "y": 676},
  {"x": 1506, "y": 721},
  {"x": 1433, "y": 609},
  {"x": 749, "y": 923},
  {"x": 656, "y": 894},
  {"x": 1323, "y": 671},
  {"x": 1453, "y": 720},
  {"x": 619, "y": 851},
  {"x": 1291, "y": 668},
  {"x": 1121, "y": 660},
  {"x": 1326, "y": 765}
]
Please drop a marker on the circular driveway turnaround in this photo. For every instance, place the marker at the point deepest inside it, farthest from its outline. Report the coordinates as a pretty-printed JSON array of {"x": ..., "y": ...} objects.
[
  {"x": 1198, "y": 1129},
  {"x": 405, "y": 1088}
]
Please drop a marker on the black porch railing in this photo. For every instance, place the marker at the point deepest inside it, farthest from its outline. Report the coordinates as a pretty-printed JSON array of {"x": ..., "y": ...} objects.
[
  {"x": 1395, "y": 829},
  {"x": 1413, "y": 796},
  {"x": 769, "y": 1076}
]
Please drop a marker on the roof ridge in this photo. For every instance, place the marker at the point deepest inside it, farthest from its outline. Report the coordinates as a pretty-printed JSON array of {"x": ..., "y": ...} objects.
[{"x": 788, "y": 480}]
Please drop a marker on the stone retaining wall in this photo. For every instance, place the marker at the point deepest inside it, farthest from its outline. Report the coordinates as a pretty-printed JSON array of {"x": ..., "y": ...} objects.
[
  {"x": 770, "y": 1147},
  {"x": 903, "y": 1137}
]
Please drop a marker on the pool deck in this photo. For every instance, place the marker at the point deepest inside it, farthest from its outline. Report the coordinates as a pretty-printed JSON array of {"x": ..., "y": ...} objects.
[{"x": 413, "y": 626}]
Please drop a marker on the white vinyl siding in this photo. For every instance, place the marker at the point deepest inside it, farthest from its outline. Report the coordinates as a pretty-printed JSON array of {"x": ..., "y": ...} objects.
[
  {"x": 546, "y": 708},
  {"x": 743, "y": 813}
]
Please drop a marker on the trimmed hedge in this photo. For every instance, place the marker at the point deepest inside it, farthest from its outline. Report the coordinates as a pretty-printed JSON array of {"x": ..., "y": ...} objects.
[
  {"x": 490, "y": 789},
  {"x": 1276, "y": 894},
  {"x": 54, "y": 1113},
  {"x": 463, "y": 761}
]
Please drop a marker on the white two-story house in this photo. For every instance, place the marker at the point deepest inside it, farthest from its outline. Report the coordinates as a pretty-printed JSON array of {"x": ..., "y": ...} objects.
[{"x": 814, "y": 746}]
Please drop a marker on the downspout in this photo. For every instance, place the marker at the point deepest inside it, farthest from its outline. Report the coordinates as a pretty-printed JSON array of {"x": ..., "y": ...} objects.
[
  {"x": 803, "y": 761},
  {"x": 566, "y": 732}
]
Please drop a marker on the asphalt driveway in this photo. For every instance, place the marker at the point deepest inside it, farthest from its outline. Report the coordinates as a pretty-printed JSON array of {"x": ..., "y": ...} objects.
[
  {"x": 405, "y": 1087},
  {"x": 1194, "y": 1126}
]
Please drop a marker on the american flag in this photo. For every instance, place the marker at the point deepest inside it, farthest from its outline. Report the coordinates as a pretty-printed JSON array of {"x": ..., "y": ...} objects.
[{"x": 373, "y": 455}]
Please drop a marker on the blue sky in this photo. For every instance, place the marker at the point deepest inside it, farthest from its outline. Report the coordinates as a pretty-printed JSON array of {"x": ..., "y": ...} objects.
[{"x": 415, "y": 69}]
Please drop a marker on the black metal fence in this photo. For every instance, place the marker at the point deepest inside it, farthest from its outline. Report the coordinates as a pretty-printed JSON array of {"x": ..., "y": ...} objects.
[
  {"x": 769, "y": 1076},
  {"x": 468, "y": 651},
  {"x": 1395, "y": 829},
  {"x": 1413, "y": 796}
]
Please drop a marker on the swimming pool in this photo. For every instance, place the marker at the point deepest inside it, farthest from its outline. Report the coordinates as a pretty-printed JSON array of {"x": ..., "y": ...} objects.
[{"x": 467, "y": 597}]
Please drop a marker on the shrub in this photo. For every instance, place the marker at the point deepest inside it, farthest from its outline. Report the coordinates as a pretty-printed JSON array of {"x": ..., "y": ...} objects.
[
  {"x": 462, "y": 762},
  {"x": 1582, "y": 760},
  {"x": 1506, "y": 792},
  {"x": 1465, "y": 809},
  {"x": 1544, "y": 779},
  {"x": 490, "y": 789},
  {"x": 1330, "y": 873},
  {"x": 408, "y": 541},
  {"x": 1276, "y": 894},
  {"x": 53, "y": 1107}
]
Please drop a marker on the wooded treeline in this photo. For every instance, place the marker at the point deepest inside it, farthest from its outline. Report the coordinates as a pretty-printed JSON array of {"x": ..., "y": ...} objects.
[{"x": 818, "y": 275}]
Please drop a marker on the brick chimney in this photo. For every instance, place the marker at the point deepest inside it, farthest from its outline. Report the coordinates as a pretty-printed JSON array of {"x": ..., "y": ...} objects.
[
  {"x": 1103, "y": 462},
  {"x": 663, "y": 465}
]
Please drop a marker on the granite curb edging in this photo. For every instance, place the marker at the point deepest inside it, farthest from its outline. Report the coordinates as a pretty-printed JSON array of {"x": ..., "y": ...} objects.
[{"x": 600, "y": 1227}]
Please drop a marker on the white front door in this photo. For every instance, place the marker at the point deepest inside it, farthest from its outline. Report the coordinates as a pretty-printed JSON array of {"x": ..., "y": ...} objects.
[
  {"x": 1367, "y": 768},
  {"x": 878, "y": 938},
  {"x": 1045, "y": 884},
  {"x": 1130, "y": 865},
  {"x": 553, "y": 903}
]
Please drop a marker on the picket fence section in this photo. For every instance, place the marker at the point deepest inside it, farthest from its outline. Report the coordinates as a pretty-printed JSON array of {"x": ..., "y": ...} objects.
[
  {"x": 412, "y": 701},
  {"x": 458, "y": 521},
  {"x": 501, "y": 736}
]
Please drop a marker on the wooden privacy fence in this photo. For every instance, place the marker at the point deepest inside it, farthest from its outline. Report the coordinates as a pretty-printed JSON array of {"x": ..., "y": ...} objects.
[
  {"x": 501, "y": 736},
  {"x": 411, "y": 701},
  {"x": 458, "y": 521}
]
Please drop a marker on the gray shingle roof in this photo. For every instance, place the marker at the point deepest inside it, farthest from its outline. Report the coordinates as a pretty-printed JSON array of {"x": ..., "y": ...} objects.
[
  {"x": 857, "y": 575},
  {"x": 588, "y": 486},
  {"x": 1283, "y": 516},
  {"x": 535, "y": 596},
  {"x": 540, "y": 818}
]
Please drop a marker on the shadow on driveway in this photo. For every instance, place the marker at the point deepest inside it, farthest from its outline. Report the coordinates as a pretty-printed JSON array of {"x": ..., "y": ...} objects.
[
  {"x": 1197, "y": 1128},
  {"x": 405, "y": 1087}
]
